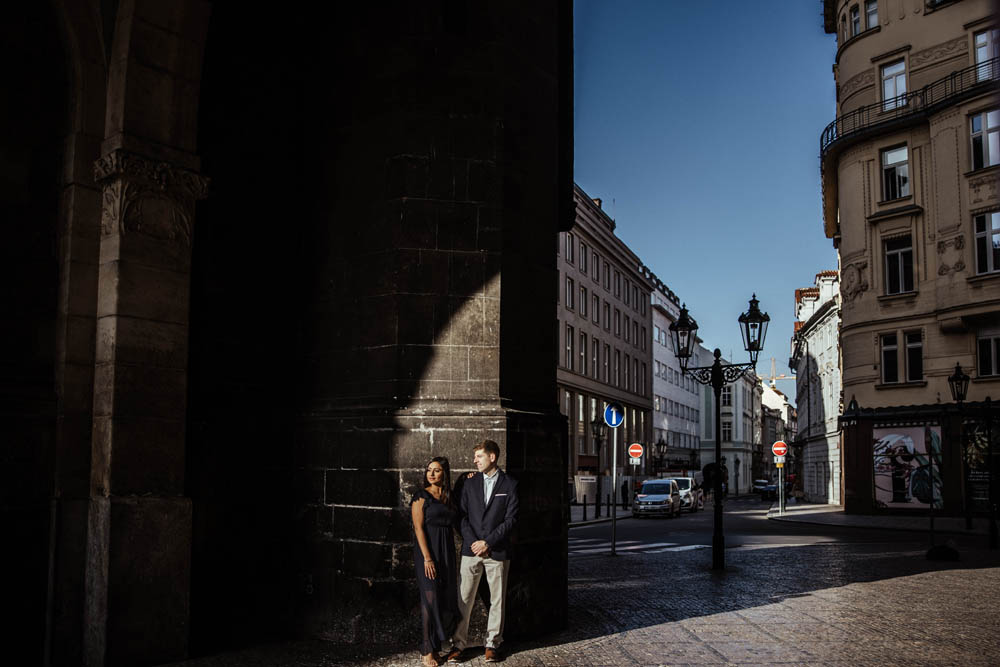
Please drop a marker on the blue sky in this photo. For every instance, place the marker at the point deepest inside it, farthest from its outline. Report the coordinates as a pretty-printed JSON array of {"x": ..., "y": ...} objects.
[{"x": 698, "y": 124}]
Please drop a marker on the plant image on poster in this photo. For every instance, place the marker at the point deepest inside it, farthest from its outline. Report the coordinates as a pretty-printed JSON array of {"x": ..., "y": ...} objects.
[{"x": 902, "y": 467}]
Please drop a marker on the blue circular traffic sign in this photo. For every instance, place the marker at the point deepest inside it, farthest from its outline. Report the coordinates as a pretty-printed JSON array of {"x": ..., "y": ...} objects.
[{"x": 614, "y": 415}]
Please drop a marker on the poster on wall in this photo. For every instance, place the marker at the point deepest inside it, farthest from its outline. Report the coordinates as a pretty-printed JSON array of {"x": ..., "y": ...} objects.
[
  {"x": 974, "y": 457},
  {"x": 903, "y": 472}
]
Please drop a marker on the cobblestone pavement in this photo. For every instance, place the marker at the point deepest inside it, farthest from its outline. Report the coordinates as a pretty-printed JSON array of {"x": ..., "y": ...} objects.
[{"x": 823, "y": 604}]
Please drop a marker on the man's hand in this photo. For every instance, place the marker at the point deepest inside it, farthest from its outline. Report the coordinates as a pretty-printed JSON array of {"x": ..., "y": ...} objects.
[{"x": 480, "y": 548}]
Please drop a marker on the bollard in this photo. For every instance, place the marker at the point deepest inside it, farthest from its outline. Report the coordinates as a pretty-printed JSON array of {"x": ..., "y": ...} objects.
[
  {"x": 609, "y": 505},
  {"x": 584, "y": 507}
]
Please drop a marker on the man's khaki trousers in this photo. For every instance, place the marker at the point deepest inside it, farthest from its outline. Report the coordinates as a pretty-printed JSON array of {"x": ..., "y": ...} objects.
[{"x": 469, "y": 572}]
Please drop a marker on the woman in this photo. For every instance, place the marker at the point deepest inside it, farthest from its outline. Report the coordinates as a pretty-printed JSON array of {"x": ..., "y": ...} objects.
[{"x": 434, "y": 514}]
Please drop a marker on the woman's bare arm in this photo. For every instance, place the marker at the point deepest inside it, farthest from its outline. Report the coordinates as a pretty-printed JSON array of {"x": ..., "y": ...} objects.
[{"x": 417, "y": 512}]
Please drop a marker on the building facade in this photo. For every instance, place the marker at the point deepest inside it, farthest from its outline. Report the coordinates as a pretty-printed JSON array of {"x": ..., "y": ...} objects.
[
  {"x": 676, "y": 396},
  {"x": 605, "y": 345},
  {"x": 910, "y": 171},
  {"x": 739, "y": 424},
  {"x": 815, "y": 362}
]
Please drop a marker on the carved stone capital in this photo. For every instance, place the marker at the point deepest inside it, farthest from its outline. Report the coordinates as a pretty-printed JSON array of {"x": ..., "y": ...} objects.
[
  {"x": 983, "y": 188},
  {"x": 147, "y": 197}
]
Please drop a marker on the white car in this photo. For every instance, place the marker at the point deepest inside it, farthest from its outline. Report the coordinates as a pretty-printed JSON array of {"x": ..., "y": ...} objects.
[
  {"x": 692, "y": 497},
  {"x": 657, "y": 497}
]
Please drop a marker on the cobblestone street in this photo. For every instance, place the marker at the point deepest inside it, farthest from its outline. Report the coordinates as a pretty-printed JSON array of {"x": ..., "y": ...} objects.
[{"x": 830, "y": 603}]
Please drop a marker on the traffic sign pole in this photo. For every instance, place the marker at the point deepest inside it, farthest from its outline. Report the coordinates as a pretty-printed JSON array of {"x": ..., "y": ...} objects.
[{"x": 614, "y": 486}]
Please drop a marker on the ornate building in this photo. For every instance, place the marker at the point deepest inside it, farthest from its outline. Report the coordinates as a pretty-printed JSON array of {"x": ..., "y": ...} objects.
[
  {"x": 911, "y": 201},
  {"x": 257, "y": 261},
  {"x": 816, "y": 364}
]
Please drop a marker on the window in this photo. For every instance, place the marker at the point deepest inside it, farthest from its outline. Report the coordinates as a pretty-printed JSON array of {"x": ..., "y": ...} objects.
[
  {"x": 656, "y": 333},
  {"x": 855, "y": 20},
  {"x": 584, "y": 259},
  {"x": 618, "y": 368},
  {"x": 843, "y": 28},
  {"x": 642, "y": 381},
  {"x": 570, "y": 248},
  {"x": 989, "y": 355},
  {"x": 987, "y": 43},
  {"x": 985, "y": 134},
  {"x": 898, "y": 265},
  {"x": 893, "y": 85},
  {"x": 618, "y": 284},
  {"x": 626, "y": 291},
  {"x": 607, "y": 360},
  {"x": 607, "y": 316},
  {"x": 607, "y": 276},
  {"x": 727, "y": 396},
  {"x": 987, "y": 228},
  {"x": 635, "y": 376},
  {"x": 727, "y": 431},
  {"x": 581, "y": 424},
  {"x": 890, "y": 364},
  {"x": 871, "y": 14},
  {"x": 627, "y": 329},
  {"x": 595, "y": 348},
  {"x": 596, "y": 309},
  {"x": 656, "y": 403},
  {"x": 569, "y": 347},
  {"x": 895, "y": 173},
  {"x": 635, "y": 297},
  {"x": 628, "y": 374},
  {"x": 635, "y": 333},
  {"x": 595, "y": 272},
  {"x": 583, "y": 301},
  {"x": 645, "y": 298},
  {"x": 643, "y": 339},
  {"x": 570, "y": 293},
  {"x": 914, "y": 356},
  {"x": 618, "y": 322},
  {"x": 583, "y": 354}
]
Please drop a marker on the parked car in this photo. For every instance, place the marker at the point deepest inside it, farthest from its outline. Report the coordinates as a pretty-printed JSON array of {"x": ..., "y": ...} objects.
[
  {"x": 759, "y": 484},
  {"x": 692, "y": 497},
  {"x": 657, "y": 497},
  {"x": 769, "y": 492}
]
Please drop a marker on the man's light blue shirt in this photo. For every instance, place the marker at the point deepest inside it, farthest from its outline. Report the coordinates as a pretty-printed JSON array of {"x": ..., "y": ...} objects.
[{"x": 489, "y": 481}]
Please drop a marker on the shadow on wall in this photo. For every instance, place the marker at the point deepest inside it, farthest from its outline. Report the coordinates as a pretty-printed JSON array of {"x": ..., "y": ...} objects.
[
  {"x": 34, "y": 113},
  {"x": 368, "y": 189}
]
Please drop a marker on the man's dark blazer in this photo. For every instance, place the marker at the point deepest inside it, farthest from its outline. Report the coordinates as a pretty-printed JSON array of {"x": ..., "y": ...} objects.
[{"x": 491, "y": 522}]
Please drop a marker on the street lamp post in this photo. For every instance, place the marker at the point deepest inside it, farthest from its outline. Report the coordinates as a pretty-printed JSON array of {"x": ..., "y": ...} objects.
[
  {"x": 958, "y": 383},
  {"x": 597, "y": 428},
  {"x": 753, "y": 326}
]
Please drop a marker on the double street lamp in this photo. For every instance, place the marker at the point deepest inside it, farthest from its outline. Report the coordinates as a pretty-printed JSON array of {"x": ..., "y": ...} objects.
[{"x": 753, "y": 326}]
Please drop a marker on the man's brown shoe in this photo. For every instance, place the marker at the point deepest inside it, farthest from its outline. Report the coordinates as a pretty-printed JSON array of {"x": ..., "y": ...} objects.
[
  {"x": 454, "y": 656},
  {"x": 492, "y": 655}
]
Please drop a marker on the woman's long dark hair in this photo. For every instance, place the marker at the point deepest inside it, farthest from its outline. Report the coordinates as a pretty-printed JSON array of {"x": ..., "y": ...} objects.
[{"x": 445, "y": 477}]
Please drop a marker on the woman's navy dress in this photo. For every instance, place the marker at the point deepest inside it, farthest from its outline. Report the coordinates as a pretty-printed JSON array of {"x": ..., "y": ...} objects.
[{"x": 438, "y": 596}]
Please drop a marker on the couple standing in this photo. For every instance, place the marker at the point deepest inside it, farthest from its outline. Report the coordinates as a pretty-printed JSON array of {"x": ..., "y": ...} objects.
[{"x": 486, "y": 509}]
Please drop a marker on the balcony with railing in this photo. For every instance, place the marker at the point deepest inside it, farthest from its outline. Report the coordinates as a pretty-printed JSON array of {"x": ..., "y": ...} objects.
[{"x": 947, "y": 90}]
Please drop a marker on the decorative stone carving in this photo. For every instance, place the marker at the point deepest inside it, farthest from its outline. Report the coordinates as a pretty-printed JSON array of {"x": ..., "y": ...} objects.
[
  {"x": 958, "y": 242},
  {"x": 858, "y": 81},
  {"x": 146, "y": 197},
  {"x": 982, "y": 188},
  {"x": 855, "y": 282},
  {"x": 942, "y": 51}
]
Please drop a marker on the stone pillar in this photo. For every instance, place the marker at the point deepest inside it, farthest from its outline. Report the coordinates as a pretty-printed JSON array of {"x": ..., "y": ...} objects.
[{"x": 139, "y": 526}]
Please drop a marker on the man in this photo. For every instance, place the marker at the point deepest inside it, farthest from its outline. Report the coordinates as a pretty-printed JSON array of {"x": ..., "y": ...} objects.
[{"x": 489, "y": 511}]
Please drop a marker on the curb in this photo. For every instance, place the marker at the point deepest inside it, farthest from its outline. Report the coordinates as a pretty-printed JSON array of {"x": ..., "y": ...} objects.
[{"x": 589, "y": 522}]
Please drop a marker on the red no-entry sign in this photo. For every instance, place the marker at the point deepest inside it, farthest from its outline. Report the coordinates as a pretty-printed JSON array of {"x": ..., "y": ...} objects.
[
  {"x": 635, "y": 450},
  {"x": 779, "y": 448}
]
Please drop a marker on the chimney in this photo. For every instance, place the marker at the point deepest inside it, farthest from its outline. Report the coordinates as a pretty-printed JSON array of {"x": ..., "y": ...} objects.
[{"x": 597, "y": 201}]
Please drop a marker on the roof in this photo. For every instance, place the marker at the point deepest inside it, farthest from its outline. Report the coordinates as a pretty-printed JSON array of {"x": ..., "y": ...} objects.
[
  {"x": 806, "y": 293},
  {"x": 828, "y": 274}
]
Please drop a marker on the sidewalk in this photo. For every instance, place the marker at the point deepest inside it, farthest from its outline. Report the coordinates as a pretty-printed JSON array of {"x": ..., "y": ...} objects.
[
  {"x": 833, "y": 515},
  {"x": 576, "y": 515}
]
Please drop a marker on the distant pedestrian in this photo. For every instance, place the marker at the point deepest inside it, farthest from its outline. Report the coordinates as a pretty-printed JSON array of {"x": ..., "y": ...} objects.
[
  {"x": 488, "y": 508},
  {"x": 625, "y": 495},
  {"x": 434, "y": 516}
]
